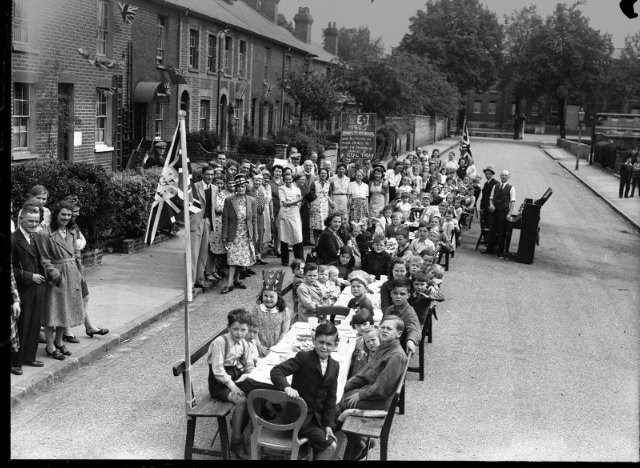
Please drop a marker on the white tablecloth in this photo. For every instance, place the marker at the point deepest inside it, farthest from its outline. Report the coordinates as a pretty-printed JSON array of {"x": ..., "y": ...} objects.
[{"x": 285, "y": 350}]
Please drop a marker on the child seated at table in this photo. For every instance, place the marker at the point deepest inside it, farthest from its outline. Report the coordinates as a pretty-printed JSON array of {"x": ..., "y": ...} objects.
[
  {"x": 334, "y": 278},
  {"x": 395, "y": 226},
  {"x": 404, "y": 206},
  {"x": 309, "y": 293},
  {"x": 400, "y": 292},
  {"x": 378, "y": 260},
  {"x": 229, "y": 357},
  {"x": 362, "y": 238},
  {"x": 415, "y": 265},
  {"x": 297, "y": 267},
  {"x": 398, "y": 269},
  {"x": 271, "y": 313},
  {"x": 345, "y": 262},
  {"x": 451, "y": 228},
  {"x": 329, "y": 294},
  {"x": 428, "y": 257},
  {"x": 253, "y": 340},
  {"x": 354, "y": 230},
  {"x": 359, "y": 287},
  {"x": 419, "y": 298},
  {"x": 404, "y": 249},
  {"x": 315, "y": 380},
  {"x": 362, "y": 321},
  {"x": 421, "y": 240}
]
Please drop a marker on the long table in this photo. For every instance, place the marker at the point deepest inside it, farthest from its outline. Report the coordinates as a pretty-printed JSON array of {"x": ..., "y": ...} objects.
[{"x": 290, "y": 345}]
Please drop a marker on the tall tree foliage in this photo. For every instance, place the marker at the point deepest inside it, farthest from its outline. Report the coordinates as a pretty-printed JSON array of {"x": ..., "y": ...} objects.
[
  {"x": 564, "y": 57},
  {"x": 624, "y": 78},
  {"x": 401, "y": 84},
  {"x": 318, "y": 96},
  {"x": 356, "y": 45},
  {"x": 462, "y": 38}
]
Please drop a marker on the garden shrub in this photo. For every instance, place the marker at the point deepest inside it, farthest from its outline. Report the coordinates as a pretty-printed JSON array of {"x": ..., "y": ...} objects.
[
  {"x": 209, "y": 139},
  {"x": 257, "y": 146}
]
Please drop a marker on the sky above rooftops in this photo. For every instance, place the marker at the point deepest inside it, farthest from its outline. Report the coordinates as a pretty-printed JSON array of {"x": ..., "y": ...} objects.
[{"x": 389, "y": 19}]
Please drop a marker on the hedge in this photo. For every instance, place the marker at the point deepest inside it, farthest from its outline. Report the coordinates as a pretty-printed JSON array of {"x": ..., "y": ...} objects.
[{"x": 114, "y": 206}]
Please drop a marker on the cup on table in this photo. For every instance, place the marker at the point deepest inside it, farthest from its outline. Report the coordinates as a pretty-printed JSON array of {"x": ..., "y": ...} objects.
[{"x": 313, "y": 322}]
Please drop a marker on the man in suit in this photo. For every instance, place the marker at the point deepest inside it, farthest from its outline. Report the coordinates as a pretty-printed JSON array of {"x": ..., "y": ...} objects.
[
  {"x": 30, "y": 277},
  {"x": 501, "y": 204},
  {"x": 485, "y": 214},
  {"x": 201, "y": 225},
  {"x": 315, "y": 380},
  {"x": 305, "y": 184}
]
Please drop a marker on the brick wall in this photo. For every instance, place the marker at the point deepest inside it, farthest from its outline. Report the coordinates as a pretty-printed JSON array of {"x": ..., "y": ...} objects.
[{"x": 59, "y": 28}]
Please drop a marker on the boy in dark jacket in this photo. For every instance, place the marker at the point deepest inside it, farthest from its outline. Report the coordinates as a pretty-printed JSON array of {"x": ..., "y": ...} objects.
[
  {"x": 378, "y": 261},
  {"x": 315, "y": 380}
]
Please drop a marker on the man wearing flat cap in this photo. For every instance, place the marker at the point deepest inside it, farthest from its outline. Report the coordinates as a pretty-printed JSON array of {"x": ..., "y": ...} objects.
[{"x": 485, "y": 220}]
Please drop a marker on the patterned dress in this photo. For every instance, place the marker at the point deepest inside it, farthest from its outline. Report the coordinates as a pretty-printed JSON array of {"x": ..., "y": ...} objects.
[
  {"x": 340, "y": 187},
  {"x": 241, "y": 252},
  {"x": 270, "y": 323},
  {"x": 320, "y": 206},
  {"x": 359, "y": 206},
  {"x": 215, "y": 238}
]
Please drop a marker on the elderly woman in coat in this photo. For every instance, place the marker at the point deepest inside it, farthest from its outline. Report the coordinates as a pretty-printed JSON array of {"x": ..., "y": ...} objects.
[
  {"x": 63, "y": 267},
  {"x": 239, "y": 232}
]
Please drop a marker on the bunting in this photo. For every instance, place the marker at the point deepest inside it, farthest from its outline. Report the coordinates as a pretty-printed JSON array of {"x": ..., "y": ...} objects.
[
  {"x": 239, "y": 96},
  {"x": 168, "y": 201},
  {"x": 268, "y": 89}
]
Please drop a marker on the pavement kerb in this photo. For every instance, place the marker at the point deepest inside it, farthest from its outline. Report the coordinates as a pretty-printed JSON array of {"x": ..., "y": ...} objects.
[
  {"x": 51, "y": 375},
  {"x": 590, "y": 187}
]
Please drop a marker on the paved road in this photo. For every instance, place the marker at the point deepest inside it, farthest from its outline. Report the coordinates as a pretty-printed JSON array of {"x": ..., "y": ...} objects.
[{"x": 529, "y": 362}]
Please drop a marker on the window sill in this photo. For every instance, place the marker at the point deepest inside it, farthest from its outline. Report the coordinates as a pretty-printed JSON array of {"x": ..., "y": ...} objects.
[
  {"x": 21, "y": 155},
  {"x": 193, "y": 70},
  {"x": 25, "y": 47},
  {"x": 103, "y": 148},
  {"x": 211, "y": 73}
]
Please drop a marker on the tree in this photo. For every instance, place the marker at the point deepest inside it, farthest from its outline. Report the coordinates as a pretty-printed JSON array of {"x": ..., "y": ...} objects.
[
  {"x": 564, "y": 57},
  {"x": 401, "y": 84},
  {"x": 624, "y": 83},
  {"x": 282, "y": 21},
  {"x": 355, "y": 45},
  {"x": 461, "y": 38},
  {"x": 317, "y": 95}
]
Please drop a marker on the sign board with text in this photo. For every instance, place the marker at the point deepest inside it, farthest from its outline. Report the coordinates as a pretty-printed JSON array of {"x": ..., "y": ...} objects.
[{"x": 358, "y": 139}]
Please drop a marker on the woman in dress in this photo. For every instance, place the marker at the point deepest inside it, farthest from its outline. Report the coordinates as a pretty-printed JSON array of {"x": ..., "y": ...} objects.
[
  {"x": 276, "y": 182},
  {"x": 339, "y": 187},
  {"x": 257, "y": 192},
  {"x": 216, "y": 246},
  {"x": 378, "y": 192},
  {"x": 358, "y": 195},
  {"x": 329, "y": 242},
  {"x": 290, "y": 222},
  {"x": 322, "y": 204},
  {"x": 63, "y": 266},
  {"x": 268, "y": 208},
  {"x": 239, "y": 232}
]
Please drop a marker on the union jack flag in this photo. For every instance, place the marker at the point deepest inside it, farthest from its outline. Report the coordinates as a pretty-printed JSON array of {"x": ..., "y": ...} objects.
[
  {"x": 128, "y": 12},
  {"x": 465, "y": 142},
  {"x": 268, "y": 89},
  {"x": 168, "y": 201}
]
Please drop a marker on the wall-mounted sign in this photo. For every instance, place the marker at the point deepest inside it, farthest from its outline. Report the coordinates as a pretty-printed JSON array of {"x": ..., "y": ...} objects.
[{"x": 358, "y": 139}]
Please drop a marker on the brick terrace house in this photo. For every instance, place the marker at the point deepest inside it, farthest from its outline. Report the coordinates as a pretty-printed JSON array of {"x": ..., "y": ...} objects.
[
  {"x": 50, "y": 77},
  {"x": 231, "y": 54}
]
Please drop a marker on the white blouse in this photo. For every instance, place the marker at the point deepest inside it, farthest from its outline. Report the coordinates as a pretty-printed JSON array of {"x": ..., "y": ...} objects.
[{"x": 358, "y": 190}]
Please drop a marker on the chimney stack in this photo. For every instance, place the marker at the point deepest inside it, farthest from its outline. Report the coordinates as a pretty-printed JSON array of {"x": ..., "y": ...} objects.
[
  {"x": 255, "y": 4},
  {"x": 303, "y": 21},
  {"x": 270, "y": 10},
  {"x": 331, "y": 39}
]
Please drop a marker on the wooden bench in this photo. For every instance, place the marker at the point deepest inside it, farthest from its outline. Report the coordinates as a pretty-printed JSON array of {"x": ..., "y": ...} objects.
[
  {"x": 204, "y": 406},
  {"x": 379, "y": 428}
]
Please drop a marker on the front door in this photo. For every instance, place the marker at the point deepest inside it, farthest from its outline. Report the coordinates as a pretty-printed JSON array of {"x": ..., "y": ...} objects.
[
  {"x": 139, "y": 123},
  {"x": 65, "y": 121}
]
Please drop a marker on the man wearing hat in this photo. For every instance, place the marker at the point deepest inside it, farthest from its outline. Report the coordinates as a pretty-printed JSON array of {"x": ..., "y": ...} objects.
[
  {"x": 485, "y": 214},
  {"x": 155, "y": 156},
  {"x": 294, "y": 160}
]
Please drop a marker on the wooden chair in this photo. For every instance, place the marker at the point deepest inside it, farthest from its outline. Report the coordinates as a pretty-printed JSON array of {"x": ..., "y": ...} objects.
[
  {"x": 483, "y": 238},
  {"x": 205, "y": 407},
  {"x": 280, "y": 437},
  {"x": 446, "y": 255},
  {"x": 426, "y": 336},
  {"x": 378, "y": 428}
]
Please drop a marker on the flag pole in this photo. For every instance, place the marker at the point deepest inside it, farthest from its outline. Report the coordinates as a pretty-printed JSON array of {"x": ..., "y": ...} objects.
[{"x": 188, "y": 296}]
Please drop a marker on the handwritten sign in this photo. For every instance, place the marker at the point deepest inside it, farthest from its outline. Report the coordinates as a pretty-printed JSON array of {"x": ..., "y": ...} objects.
[{"x": 358, "y": 139}]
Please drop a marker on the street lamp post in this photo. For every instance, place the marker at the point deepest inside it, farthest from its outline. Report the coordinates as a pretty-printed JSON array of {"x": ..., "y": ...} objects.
[{"x": 580, "y": 122}]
